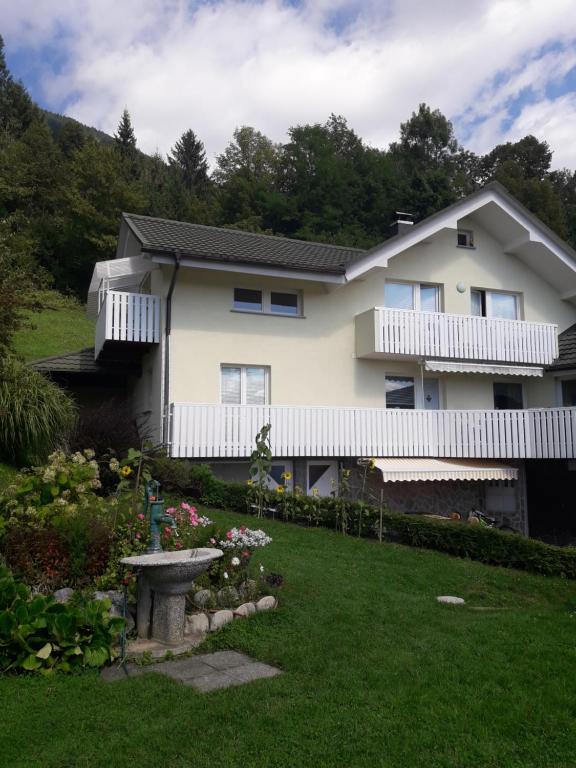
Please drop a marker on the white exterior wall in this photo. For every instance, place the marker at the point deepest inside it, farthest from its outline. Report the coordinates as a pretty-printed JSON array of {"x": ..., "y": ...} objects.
[{"x": 312, "y": 360}]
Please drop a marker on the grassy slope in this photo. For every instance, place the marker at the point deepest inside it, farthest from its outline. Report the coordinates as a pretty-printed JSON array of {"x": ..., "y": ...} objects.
[
  {"x": 61, "y": 327},
  {"x": 376, "y": 673}
]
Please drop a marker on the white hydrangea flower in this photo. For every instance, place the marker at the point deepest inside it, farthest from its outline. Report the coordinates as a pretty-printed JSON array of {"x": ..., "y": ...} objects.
[
  {"x": 235, "y": 561},
  {"x": 245, "y": 538}
]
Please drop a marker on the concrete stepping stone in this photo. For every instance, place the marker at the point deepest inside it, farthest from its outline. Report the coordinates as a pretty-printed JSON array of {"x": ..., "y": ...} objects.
[
  {"x": 451, "y": 600},
  {"x": 205, "y": 672}
]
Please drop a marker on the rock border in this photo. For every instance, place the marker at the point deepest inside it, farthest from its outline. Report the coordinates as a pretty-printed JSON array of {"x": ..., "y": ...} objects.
[{"x": 204, "y": 621}]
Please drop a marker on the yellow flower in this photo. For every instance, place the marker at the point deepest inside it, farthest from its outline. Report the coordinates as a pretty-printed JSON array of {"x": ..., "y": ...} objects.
[
  {"x": 314, "y": 491},
  {"x": 126, "y": 471},
  {"x": 286, "y": 475},
  {"x": 279, "y": 489},
  {"x": 249, "y": 482},
  {"x": 372, "y": 464}
]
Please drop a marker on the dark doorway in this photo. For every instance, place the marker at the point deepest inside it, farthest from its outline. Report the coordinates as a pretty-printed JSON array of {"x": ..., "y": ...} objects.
[{"x": 551, "y": 491}]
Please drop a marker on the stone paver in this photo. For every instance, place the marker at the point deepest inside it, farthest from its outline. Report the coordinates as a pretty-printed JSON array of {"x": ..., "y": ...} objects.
[{"x": 206, "y": 672}]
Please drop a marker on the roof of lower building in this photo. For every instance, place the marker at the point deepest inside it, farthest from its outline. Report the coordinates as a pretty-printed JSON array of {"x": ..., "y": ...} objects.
[
  {"x": 566, "y": 350},
  {"x": 70, "y": 363},
  {"x": 233, "y": 245}
]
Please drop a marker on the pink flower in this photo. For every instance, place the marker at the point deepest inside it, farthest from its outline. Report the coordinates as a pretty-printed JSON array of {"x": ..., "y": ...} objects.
[
  {"x": 171, "y": 510},
  {"x": 185, "y": 506},
  {"x": 140, "y": 516},
  {"x": 193, "y": 510},
  {"x": 229, "y": 535},
  {"x": 212, "y": 541},
  {"x": 138, "y": 535},
  {"x": 178, "y": 545},
  {"x": 242, "y": 528},
  {"x": 194, "y": 523}
]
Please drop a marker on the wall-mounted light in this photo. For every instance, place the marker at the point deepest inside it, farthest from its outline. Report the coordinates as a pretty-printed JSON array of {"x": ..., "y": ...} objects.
[{"x": 460, "y": 287}]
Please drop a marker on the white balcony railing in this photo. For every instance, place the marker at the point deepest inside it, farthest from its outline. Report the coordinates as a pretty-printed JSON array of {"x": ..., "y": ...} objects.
[
  {"x": 132, "y": 317},
  {"x": 390, "y": 332},
  {"x": 210, "y": 431}
]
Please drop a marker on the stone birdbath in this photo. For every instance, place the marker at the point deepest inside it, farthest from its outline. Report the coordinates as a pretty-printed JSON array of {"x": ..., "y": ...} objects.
[
  {"x": 169, "y": 575},
  {"x": 164, "y": 578}
]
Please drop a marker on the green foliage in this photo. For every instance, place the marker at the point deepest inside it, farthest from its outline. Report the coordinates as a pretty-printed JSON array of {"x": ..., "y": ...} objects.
[
  {"x": 40, "y": 635},
  {"x": 37, "y": 415},
  {"x": 356, "y": 518},
  {"x": 207, "y": 489},
  {"x": 188, "y": 159},
  {"x": 260, "y": 466}
]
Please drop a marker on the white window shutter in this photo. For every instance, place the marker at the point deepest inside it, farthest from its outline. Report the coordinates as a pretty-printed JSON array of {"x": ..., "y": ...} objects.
[{"x": 255, "y": 386}]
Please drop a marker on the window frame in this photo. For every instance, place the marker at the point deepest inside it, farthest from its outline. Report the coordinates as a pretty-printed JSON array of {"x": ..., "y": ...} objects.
[
  {"x": 243, "y": 367},
  {"x": 469, "y": 235},
  {"x": 416, "y": 295},
  {"x": 486, "y": 294},
  {"x": 400, "y": 376},
  {"x": 509, "y": 383},
  {"x": 266, "y": 294}
]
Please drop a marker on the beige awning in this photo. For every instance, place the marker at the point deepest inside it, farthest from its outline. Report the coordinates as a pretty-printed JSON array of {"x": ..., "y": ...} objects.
[
  {"x": 397, "y": 470},
  {"x": 444, "y": 366}
]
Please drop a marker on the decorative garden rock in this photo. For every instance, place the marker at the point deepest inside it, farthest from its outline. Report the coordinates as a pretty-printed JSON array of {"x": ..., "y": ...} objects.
[
  {"x": 266, "y": 603},
  {"x": 63, "y": 595},
  {"x": 451, "y": 600},
  {"x": 245, "y": 610},
  {"x": 116, "y": 597},
  {"x": 219, "y": 619},
  {"x": 227, "y": 596},
  {"x": 197, "y": 623},
  {"x": 203, "y": 597}
]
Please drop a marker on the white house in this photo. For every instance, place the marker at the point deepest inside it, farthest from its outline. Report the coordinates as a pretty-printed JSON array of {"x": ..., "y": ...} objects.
[{"x": 435, "y": 353}]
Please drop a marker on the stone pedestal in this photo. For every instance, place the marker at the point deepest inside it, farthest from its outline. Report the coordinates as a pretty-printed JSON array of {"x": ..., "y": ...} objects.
[
  {"x": 168, "y": 618},
  {"x": 144, "y": 607}
]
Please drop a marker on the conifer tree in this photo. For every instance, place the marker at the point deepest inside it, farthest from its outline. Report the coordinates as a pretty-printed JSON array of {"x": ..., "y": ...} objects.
[
  {"x": 125, "y": 137},
  {"x": 188, "y": 157}
]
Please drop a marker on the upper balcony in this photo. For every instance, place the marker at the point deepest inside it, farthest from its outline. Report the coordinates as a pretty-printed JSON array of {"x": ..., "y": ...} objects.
[
  {"x": 410, "y": 335},
  {"x": 127, "y": 324}
]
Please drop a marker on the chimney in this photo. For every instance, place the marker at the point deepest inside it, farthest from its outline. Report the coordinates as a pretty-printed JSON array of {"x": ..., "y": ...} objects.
[{"x": 402, "y": 223}]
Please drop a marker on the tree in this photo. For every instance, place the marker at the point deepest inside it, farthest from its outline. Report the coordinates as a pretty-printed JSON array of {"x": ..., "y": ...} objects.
[
  {"x": 251, "y": 154},
  {"x": 71, "y": 137},
  {"x": 125, "y": 137},
  {"x": 188, "y": 159},
  {"x": 17, "y": 110}
]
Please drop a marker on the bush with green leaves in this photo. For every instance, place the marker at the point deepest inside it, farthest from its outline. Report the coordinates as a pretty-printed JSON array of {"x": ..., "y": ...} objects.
[
  {"x": 40, "y": 635},
  {"x": 37, "y": 415}
]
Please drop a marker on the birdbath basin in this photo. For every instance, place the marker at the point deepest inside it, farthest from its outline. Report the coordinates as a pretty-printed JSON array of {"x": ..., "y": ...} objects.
[{"x": 170, "y": 576}]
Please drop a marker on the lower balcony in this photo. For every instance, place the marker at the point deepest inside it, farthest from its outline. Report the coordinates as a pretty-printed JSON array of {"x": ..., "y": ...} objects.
[
  {"x": 228, "y": 431},
  {"x": 127, "y": 323}
]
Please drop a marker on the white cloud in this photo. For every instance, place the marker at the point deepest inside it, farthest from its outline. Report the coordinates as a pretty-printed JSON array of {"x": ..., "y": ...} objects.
[{"x": 214, "y": 66}]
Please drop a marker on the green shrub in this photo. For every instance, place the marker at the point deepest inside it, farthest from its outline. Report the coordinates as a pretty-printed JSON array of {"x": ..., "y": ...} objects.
[
  {"x": 355, "y": 518},
  {"x": 39, "y": 635},
  {"x": 37, "y": 416}
]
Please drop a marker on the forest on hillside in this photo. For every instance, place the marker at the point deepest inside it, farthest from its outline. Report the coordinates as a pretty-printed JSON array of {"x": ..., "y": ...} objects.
[{"x": 64, "y": 185}]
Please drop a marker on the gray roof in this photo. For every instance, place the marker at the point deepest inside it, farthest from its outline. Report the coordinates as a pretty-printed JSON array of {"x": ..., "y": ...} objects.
[
  {"x": 217, "y": 244},
  {"x": 72, "y": 362},
  {"x": 566, "y": 350}
]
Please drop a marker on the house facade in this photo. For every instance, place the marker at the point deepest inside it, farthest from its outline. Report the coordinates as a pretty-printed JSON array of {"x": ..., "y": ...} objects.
[{"x": 435, "y": 353}]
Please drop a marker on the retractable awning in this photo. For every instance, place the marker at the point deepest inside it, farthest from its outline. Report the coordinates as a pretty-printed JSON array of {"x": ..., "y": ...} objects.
[
  {"x": 443, "y": 366},
  {"x": 401, "y": 470}
]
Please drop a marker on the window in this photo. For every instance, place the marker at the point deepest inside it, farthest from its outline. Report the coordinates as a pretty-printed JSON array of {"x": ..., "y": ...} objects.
[
  {"x": 494, "y": 304},
  {"x": 248, "y": 299},
  {"x": 507, "y": 396},
  {"x": 284, "y": 303},
  {"x": 399, "y": 392},
  {"x": 244, "y": 385},
  {"x": 267, "y": 302},
  {"x": 423, "y": 298},
  {"x": 465, "y": 238},
  {"x": 569, "y": 393}
]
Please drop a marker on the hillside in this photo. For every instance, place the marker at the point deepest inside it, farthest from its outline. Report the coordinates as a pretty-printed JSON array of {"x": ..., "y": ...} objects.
[
  {"x": 62, "y": 326},
  {"x": 56, "y": 121}
]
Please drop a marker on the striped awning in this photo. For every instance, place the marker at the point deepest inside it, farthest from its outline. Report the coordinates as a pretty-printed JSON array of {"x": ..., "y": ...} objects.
[
  {"x": 401, "y": 470},
  {"x": 444, "y": 366}
]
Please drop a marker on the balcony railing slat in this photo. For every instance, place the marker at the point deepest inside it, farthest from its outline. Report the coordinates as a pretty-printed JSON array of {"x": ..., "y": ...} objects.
[{"x": 228, "y": 431}]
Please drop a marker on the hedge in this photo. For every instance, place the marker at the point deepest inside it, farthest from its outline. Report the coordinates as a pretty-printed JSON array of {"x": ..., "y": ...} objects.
[{"x": 476, "y": 542}]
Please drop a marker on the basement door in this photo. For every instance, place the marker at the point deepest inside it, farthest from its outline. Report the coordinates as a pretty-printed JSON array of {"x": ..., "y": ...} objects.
[
  {"x": 321, "y": 477},
  {"x": 274, "y": 477},
  {"x": 431, "y": 394}
]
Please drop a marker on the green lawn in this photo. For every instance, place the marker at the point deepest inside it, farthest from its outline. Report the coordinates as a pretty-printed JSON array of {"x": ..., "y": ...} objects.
[
  {"x": 61, "y": 327},
  {"x": 376, "y": 673}
]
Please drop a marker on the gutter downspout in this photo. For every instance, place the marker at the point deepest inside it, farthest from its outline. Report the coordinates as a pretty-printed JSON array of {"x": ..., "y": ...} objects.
[{"x": 167, "y": 332}]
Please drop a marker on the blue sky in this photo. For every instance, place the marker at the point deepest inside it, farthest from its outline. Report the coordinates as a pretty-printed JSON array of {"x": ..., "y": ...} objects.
[{"x": 498, "y": 68}]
